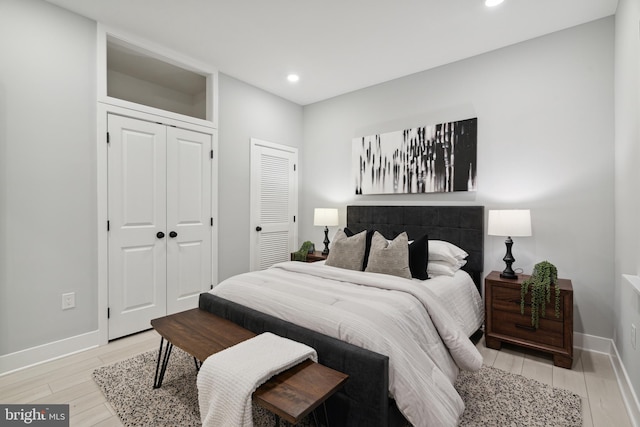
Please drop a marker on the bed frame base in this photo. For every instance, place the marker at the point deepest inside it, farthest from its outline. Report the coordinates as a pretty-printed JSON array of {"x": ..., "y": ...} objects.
[{"x": 364, "y": 400}]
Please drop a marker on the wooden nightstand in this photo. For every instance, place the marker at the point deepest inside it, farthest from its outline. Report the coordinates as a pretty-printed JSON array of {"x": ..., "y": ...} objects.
[
  {"x": 316, "y": 256},
  {"x": 504, "y": 323}
]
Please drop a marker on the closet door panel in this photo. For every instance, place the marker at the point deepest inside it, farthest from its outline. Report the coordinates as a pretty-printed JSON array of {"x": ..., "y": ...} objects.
[
  {"x": 137, "y": 212},
  {"x": 188, "y": 217}
]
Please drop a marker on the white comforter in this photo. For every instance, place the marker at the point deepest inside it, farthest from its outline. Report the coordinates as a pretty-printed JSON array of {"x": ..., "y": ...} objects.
[
  {"x": 385, "y": 314},
  {"x": 460, "y": 297}
]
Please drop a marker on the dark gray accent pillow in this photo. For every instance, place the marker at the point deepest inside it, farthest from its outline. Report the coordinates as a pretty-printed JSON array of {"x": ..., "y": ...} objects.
[
  {"x": 389, "y": 257},
  {"x": 419, "y": 257},
  {"x": 347, "y": 252}
]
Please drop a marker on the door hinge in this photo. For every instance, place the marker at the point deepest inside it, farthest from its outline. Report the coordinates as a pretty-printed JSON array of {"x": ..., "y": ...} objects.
[
  {"x": 108, "y": 313},
  {"x": 294, "y": 218},
  {"x": 108, "y": 138},
  {"x": 108, "y": 226},
  {"x": 294, "y": 167},
  {"x": 211, "y": 154},
  {"x": 211, "y": 286}
]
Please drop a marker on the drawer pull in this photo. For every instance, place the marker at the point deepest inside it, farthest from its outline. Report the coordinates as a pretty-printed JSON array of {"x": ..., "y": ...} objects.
[
  {"x": 518, "y": 303},
  {"x": 527, "y": 327}
]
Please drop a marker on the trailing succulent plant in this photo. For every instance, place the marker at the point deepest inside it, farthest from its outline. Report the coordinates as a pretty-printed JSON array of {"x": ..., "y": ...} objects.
[{"x": 543, "y": 277}]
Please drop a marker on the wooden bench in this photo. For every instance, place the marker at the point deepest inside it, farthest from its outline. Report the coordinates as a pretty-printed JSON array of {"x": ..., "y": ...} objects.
[{"x": 290, "y": 395}]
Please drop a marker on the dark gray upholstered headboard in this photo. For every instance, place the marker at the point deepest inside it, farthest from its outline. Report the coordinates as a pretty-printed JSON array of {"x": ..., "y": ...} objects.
[{"x": 461, "y": 225}]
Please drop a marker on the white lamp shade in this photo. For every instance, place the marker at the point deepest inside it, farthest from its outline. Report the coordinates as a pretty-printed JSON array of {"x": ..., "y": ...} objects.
[
  {"x": 325, "y": 217},
  {"x": 511, "y": 222}
]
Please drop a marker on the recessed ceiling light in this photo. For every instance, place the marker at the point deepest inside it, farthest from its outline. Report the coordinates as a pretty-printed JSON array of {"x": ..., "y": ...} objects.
[
  {"x": 492, "y": 3},
  {"x": 293, "y": 78}
]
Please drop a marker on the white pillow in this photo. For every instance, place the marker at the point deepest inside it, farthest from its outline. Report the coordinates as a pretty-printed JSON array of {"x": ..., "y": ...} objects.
[
  {"x": 441, "y": 268},
  {"x": 439, "y": 250}
]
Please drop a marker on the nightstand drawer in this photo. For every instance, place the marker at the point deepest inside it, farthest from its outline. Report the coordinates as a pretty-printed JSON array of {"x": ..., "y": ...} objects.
[
  {"x": 508, "y": 299},
  {"x": 517, "y": 325}
]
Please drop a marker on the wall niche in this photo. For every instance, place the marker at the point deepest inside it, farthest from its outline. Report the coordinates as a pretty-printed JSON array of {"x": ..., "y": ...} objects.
[{"x": 142, "y": 77}]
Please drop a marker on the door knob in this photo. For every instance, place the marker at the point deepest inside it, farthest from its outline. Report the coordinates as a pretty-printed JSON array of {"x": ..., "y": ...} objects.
[
  {"x": 160, "y": 235},
  {"x": 258, "y": 228},
  {"x": 173, "y": 234}
]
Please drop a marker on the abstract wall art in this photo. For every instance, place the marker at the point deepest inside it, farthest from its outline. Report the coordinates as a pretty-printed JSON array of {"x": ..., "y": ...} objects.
[{"x": 438, "y": 158}]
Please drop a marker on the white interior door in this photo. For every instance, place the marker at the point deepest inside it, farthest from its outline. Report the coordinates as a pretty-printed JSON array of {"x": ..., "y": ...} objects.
[
  {"x": 188, "y": 218},
  {"x": 274, "y": 203},
  {"x": 160, "y": 222},
  {"x": 137, "y": 214}
]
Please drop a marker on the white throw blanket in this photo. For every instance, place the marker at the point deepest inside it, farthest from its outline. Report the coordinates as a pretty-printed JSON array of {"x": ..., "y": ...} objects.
[{"x": 227, "y": 379}]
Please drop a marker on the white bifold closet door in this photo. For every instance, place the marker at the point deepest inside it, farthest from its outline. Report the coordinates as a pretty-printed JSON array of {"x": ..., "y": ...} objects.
[{"x": 159, "y": 221}]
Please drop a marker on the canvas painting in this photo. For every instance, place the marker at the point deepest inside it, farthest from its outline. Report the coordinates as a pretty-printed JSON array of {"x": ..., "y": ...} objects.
[{"x": 437, "y": 158}]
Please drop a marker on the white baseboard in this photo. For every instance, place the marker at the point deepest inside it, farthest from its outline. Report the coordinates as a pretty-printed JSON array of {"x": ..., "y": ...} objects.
[
  {"x": 628, "y": 393},
  {"x": 47, "y": 352},
  {"x": 592, "y": 343},
  {"x": 608, "y": 346}
]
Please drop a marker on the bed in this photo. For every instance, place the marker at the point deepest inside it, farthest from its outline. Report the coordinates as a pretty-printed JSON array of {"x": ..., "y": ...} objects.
[{"x": 390, "y": 376}]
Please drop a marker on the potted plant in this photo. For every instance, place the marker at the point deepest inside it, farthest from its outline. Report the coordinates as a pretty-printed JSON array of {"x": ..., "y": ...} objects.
[{"x": 544, "y": 276}]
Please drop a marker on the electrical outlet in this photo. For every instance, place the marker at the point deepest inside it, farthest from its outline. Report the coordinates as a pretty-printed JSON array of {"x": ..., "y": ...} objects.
[
  {"x": 633, "y": 336},
  {"x": 68, "y": 300}
]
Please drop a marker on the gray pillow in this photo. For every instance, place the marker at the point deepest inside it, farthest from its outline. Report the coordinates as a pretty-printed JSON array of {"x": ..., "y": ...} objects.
[
  {"x": 389, "y": 257},
  {"x": 347, "y": 252}
]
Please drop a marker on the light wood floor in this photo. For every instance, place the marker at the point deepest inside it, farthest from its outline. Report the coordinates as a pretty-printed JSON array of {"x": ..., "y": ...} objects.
[
  {"x": 68, "y": 380},
  {"x": 591, "y": 377}
]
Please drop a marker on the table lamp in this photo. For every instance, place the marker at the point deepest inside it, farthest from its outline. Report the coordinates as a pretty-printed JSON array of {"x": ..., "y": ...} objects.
[
  {"x": 509, "y": 223},
  {"x": 325, "y": 217}
]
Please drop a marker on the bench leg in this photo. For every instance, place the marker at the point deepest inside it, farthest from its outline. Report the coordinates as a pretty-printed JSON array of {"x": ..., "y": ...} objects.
[
  {"x": 315, "y": 417},
  {"x": 326, "y": 416},
  {"x": 160, "y": 370}
]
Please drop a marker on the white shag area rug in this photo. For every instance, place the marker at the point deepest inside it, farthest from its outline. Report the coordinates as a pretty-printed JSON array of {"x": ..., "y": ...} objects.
[{"x": 492, "y": 397}]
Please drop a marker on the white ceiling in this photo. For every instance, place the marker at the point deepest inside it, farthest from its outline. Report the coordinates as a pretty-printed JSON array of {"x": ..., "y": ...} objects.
[{"x": 336, "y": 46}]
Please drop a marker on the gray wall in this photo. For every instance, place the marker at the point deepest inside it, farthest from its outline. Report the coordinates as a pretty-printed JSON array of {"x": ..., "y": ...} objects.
[
  {"x": 245, "y": 112},
  {"x": 48, "y": 239},
  {"x": 627, "y": 177},
  {"x": 48, "y": 228},
  {"x": 545, "y": 142}
]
